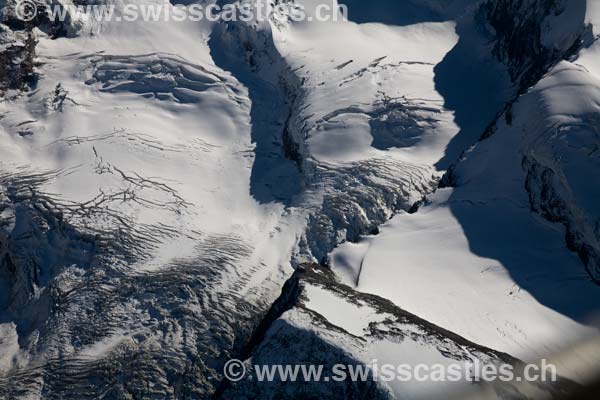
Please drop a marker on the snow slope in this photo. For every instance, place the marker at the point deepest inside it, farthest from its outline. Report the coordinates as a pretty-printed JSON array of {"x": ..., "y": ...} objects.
[
  {"x": 331, "y": 324},
  {"x": 126, "y": 184},
  {"x": 373, "y": 148},
  {"x": 159, "y": 181},
  {"x": 488, "y": 258}
]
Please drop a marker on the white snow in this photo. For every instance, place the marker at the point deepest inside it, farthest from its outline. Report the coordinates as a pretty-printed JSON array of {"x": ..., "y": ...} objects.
[
  {"x": 394, "y": 62},
  {"x": 424, "y": 263},
  {"x": 589, "y": 57},
  {"x": 411, "y": 353},
  {"x": 154, "y": 128},
  {"x": 476, "y": 261},
  {"x": 353, "y": 318},
  {"x": 151, "y": 125},
  {"x": 9, "y": 345},
  {"x": 145, "y": 99}
]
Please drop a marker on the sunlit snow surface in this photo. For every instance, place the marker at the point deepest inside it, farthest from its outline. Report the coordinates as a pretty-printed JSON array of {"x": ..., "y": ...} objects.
[
  {"x": 196, "y": 163},
  {"x": 475, "y": 259}
]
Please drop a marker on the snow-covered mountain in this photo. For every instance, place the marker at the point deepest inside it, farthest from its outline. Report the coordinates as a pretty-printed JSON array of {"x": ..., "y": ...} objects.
[{"x": 418, "y": 183}]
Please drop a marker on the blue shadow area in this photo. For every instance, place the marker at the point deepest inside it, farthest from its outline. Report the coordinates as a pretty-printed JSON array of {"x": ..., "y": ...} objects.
[
  {"x": 474, "y": 86},
  {"x": 390, "y": 12},
  {"x": 533, "y": 252},
  {"x": 274, "y": 177}
]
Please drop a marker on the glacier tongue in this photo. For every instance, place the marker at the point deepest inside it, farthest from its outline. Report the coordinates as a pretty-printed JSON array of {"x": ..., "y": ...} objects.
[{"x": 130, "y": 239}]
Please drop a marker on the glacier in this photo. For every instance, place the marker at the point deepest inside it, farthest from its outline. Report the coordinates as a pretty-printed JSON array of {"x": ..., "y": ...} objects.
[{"x": 416, "y": 183}]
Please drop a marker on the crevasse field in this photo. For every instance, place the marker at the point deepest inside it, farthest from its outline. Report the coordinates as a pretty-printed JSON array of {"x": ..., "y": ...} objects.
[{"x": 417, "y": 183}]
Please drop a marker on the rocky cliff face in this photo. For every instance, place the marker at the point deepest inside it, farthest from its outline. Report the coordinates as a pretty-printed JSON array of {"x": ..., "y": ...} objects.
[
  {"x": 551, "y": 197},
  {"x": 17, "y": 60},
  {"x": 308, "y": 329},
  {"x": 533, "y": 35},
  {"x": 531, "y": 45}
]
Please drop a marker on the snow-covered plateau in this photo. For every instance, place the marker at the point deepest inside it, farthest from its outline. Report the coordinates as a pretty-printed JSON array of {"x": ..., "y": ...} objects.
[{"x": 416, "y": 183}]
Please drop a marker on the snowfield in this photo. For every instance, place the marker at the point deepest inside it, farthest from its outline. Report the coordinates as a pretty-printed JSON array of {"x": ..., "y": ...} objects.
[
  {"x": 476, "y": 259},
  {"x": 416, "y": 184}
]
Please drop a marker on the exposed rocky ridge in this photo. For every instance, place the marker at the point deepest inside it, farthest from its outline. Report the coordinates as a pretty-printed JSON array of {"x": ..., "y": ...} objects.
[
  {"x": 551, "y": 197},
  {"x": 42, "y": 19},
  {"x": 353, "y": 200},
  {"x": 521, "y": 47},
  {"x": 17, "y": 59},
  {"x": 18, "y": 42},
  {"x": 307, "y": 336},
  {"x": 522, "y": 28},
  {"x": 519, "y": 32}
]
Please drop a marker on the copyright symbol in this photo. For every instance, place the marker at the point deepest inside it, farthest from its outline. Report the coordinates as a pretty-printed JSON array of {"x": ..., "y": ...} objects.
[
  {"x": 234, "y": 370},
  {"x": 26, "y": 10}
]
